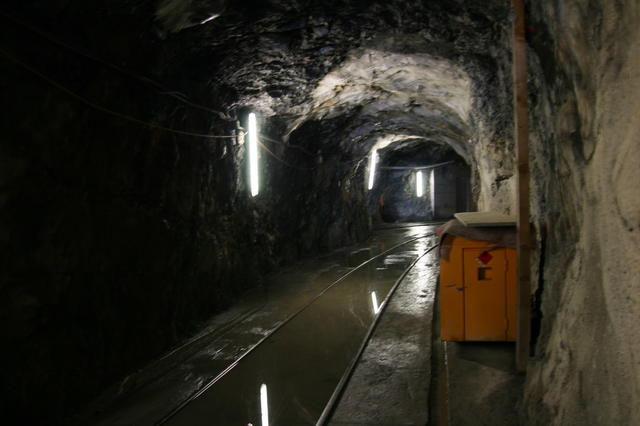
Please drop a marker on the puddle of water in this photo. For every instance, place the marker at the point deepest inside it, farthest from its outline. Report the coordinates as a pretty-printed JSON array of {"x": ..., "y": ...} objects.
[
  {"x": 293, "y": 374},
  {"x": 355, "y": 258}
]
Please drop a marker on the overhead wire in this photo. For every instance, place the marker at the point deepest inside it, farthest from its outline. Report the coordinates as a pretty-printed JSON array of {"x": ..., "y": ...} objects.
[
  {"x": 147, "y": 124},
  {"x": 104, "y": 109},
  {"x": 299, "y": 148},
  {"x": 286, "y": 163},
  {"x": 158, "y": 87},
  {"x": 276, "y": 157},
  {"x": 431, "y": 166},
  {"x": 126, "y": 117},
  {"x": 179, "y": 96}
]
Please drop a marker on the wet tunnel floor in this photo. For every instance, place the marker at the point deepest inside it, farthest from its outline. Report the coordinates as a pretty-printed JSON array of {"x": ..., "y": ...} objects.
[{"x": 310, "y": 321}]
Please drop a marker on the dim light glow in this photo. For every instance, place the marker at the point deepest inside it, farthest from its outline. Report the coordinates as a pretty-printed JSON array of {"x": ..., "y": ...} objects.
[
  {"x": 264, "y": 406},
  {"x": 419, "y": 183},
  {"x": 374, "y": 301},
  {"x": 372, "y": 167},
  {"x": 253, "y": 154}
]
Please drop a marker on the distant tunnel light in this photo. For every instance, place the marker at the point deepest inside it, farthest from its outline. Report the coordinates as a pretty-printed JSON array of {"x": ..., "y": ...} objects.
[
  {"x": 419, "y": 189},
  {"x": 264, "y": 405},
  {"x": 374, "y": 301},
  {"x": 372, "y": 167},
  {"x": 253, "y": 155}
]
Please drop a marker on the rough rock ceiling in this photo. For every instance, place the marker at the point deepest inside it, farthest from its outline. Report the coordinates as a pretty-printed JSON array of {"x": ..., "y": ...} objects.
[
  {"x": 397, "y": 69},
  {"x": 403, "y": 95}
]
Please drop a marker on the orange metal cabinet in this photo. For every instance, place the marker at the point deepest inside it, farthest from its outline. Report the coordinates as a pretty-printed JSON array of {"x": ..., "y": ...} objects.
[{"x": 477, "y": 299}]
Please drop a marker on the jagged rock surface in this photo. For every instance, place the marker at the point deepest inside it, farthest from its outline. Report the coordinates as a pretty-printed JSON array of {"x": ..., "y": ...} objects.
[{"x": 586, "y": 204}]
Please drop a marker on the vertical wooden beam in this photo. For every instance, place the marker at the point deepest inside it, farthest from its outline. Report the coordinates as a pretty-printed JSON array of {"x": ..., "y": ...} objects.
[{"x": 521, "y": 131}]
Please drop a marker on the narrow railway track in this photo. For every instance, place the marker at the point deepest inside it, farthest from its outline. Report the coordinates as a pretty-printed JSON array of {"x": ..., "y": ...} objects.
[
  {"x": 344, "y": 380},
  {"x": 177, "y": 416}
]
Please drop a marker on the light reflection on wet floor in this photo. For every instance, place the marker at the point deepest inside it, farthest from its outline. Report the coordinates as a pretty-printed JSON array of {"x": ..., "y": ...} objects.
[{"x": 297, "y": 369}]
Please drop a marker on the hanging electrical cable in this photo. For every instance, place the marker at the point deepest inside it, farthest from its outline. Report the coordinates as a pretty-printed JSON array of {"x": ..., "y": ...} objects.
[
  {"x": 299, "y": 148},
  {"x": 179, "y": 96},
  {"x": 272, "y": 154},
  {"x": 157, "y": 86},
  {"x": 104, "y": 109},
  {"x": 133, "y": 119}
]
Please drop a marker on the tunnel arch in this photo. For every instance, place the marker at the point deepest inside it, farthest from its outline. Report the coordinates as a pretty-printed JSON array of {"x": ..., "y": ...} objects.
[
  {"x": 444, "y": 182},
  {"x": 412, "y": 94},
  {"x": 377, "y": 99},
  {"x": 383, "y": 94}
]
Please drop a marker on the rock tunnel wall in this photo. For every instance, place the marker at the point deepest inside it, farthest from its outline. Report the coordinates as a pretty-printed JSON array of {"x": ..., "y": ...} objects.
[
  {"x": 118, "y": 239},
  {"x": 583, "y": 88},
  {"x": 115, "y": 237}
]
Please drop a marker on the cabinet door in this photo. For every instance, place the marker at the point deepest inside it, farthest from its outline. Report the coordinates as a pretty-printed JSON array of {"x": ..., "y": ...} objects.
[{"x": 485, "y": 295}]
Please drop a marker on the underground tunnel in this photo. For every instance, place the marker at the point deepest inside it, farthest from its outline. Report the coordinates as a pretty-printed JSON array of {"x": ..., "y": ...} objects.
[
  {"x": 171, "y": 168},
  {"x": 418, "y": 181}
]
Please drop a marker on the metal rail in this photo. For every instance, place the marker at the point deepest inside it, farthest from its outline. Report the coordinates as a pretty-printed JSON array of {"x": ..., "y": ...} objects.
[
  {"x": 342, "y": 384},
  {"x": 215, "y": 333},
  {"x": 213, "y": 381}
]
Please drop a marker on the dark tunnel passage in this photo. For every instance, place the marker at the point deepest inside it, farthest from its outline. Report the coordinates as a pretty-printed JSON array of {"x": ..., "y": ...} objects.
[
  {"x": 128, "y": 217},
  {"x": 419, "y": 181}
]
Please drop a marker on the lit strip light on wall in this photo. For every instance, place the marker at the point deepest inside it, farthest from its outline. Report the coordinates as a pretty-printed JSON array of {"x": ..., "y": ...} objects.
[
  {"x": 372, "y": 167},
  {"x": 419, "y": 183},
  {"x": 264, "y": 405},
  {"x": 253, "y": 155},
  {"x": 432, "y": 189}
]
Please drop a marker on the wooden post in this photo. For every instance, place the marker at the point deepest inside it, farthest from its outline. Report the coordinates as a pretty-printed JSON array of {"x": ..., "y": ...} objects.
[{"x": 521, "y": 131}]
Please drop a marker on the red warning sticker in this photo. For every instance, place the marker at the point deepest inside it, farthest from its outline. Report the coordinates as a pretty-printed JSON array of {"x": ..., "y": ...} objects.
[{"x": 484, "y": 258}]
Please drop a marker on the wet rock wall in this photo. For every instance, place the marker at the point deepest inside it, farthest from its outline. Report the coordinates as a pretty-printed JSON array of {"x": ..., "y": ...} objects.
[
  {"x": 584, "y": 81},
  {"x": 117, "y": 238}
]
